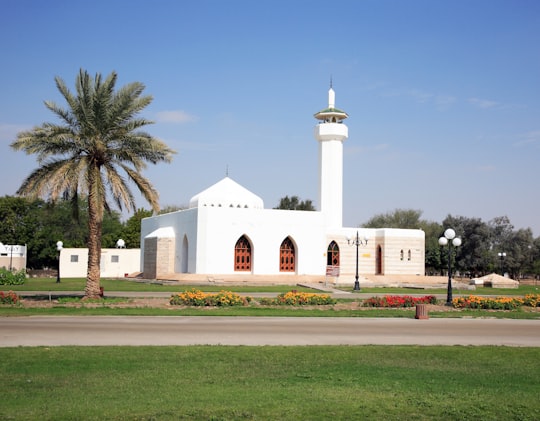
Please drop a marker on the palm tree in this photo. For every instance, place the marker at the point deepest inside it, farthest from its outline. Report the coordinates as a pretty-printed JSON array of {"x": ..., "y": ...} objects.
[{"x": 87, "y": 155}]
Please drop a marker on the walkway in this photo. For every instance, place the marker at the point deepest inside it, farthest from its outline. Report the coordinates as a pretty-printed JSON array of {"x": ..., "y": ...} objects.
[{"x": 206, "y": 330}]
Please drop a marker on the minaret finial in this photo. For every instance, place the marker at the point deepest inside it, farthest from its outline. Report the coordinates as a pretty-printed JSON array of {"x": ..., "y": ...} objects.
[
  {"x": 331, "y": 96},
  {"x": 227, "y": 170},
  {"x": 330, "y": 81}
]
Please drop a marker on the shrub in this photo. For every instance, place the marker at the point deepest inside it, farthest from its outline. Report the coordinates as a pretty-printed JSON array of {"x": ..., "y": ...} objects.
[
  {"x": 197, "y": 298},
  {"x": 9, "y": 298},
  {"x": 8, "y": 277},
  {"x": 295, "y": 298},
  {"x": 398, "y": 301}
]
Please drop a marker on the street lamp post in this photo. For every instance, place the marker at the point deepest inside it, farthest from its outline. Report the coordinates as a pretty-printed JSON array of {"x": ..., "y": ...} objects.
[
  {"x": 502, "y": 255},
  {"x": 449, "y": 239},
  {"x": 357, "y": 242},
  {"x": 59, "y": 246}
]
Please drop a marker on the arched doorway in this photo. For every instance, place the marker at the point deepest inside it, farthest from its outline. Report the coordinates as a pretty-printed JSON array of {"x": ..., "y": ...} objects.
[
  {"x": 378, "y": 262},
  {"x": 287, "y": 256},
  {"x": 332, "y": 254},
  {"x": 242, "y": 255}
]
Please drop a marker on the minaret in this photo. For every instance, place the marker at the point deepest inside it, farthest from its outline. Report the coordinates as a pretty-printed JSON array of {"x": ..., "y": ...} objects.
[{"x": 331, "y": 132}]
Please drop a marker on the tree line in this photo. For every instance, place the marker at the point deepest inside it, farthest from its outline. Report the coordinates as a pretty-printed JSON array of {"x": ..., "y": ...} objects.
[
  {"x": 482, "y": 242},
  {"x": 40, "y": 224}
]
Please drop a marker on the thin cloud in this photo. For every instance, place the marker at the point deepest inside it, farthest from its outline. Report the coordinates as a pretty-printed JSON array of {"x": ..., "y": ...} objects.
[
  {"x": 175, "y": 116},
  {"x": 529, "y": 138},
  {"x": 483, "y": 103},
  {"x": 416, "y": 94},
  {"x": 423, "y": 97},
  {"x": 444, "y": 101}
]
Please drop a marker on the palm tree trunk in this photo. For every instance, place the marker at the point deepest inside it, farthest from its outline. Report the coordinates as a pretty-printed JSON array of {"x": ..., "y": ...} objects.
[{"x": 92, "y": 289}]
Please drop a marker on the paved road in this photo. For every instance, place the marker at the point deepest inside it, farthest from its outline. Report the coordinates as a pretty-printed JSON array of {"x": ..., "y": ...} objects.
[{"x": 204, "y": 330}]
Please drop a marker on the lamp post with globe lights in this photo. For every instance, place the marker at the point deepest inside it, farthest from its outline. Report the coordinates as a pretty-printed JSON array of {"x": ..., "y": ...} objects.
[
  {"x": 449, "y": 239},
  {"x": 59, "y": 247},
  {"x": 356, "y": 241},
  {"x": 502, "y": 255}
]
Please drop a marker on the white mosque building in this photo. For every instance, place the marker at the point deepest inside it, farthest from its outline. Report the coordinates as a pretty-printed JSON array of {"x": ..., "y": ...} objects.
[{"x": 227, "y": 233}]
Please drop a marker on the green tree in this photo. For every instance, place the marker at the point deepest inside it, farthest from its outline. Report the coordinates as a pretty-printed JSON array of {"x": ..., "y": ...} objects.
[
  {"x": 171, "y": 208},
  {"x": 20, "y": 223},
  {"x": 99, "y": 139},
  {"x": 399, "y": 218},
  {"x": 131, "y": 232},
  {"x": 534, "y": 258},
  {"x": 518, "y": 253},
  {"x": 433, "y": 257},
  {"x": 294, "y": 203},
  {"x": 474, "y": 255}
]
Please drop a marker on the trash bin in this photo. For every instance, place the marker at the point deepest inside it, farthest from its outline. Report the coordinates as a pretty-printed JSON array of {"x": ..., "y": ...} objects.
[
  {"x": 421, "y": 312},
  {"x": 101, "y": 291}
]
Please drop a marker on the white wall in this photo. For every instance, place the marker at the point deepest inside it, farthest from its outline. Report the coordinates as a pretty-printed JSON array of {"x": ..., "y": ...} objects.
[
  {"x": 184, "y": 224},
  {"x": 128, "y": 261},
  {"x": 220, "y": 228},
  {"x": 393, "y": 241}
]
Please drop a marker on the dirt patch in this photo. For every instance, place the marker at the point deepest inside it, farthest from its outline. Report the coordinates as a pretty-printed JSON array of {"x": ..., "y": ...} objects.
[{"x": 130, "y": 303}]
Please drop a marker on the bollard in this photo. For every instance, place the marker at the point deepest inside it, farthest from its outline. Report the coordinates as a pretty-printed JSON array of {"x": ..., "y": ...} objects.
[{"x": 421, "y": 312}]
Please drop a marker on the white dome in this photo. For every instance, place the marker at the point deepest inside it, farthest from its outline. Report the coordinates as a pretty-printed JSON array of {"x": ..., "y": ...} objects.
[{"x": 227, "y": 194}]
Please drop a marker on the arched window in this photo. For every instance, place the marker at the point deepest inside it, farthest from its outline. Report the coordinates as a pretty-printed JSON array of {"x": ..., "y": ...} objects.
[
  {"x": 409, "y": 255},
  {"x": 379, "y": 261},
  {"x": 287, "y": 254},
  {"x": 401, "y": 255},
  {"x": 332, "y": 254},
  {"x": 242, "y": 255}
]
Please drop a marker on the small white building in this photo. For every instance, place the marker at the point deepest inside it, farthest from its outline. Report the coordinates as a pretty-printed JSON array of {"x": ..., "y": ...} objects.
[
  {"x": 227, "y": 230},
  {"x": 12, "y": 257},
  {"x": 115, "y": 263}
]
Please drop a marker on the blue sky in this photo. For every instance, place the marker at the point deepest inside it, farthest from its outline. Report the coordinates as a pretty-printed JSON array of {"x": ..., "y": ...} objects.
[{"x": 443, "y": 97}]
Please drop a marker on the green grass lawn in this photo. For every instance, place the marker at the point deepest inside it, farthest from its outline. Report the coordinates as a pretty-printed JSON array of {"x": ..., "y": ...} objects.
[
  {"x": 126, "y": 284},
  {"x": 78, "y": 284},
  {"x": 105, "y": 309},
  {"x": 270, "y": 383}
]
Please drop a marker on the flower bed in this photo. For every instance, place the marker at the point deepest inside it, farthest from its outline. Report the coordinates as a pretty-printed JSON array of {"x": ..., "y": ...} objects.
[
  {"x": 295, "y": 298},
  {"x": 398, "y": 301},
  {"x": 198, "y": 298},
  {"x": 497, "y": 303},
  {"x": 9, "y": 298}
]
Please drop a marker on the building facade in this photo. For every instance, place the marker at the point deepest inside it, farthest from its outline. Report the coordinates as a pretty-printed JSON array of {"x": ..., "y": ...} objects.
[
  {"x": 226, "y": 230},
  {"x": 12, "y": 257},
  {"x": 115, "y": 262}
]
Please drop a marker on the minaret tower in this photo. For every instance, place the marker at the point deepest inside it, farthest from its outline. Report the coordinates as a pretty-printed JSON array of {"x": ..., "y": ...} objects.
[{"x": 331, "y": 132}]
